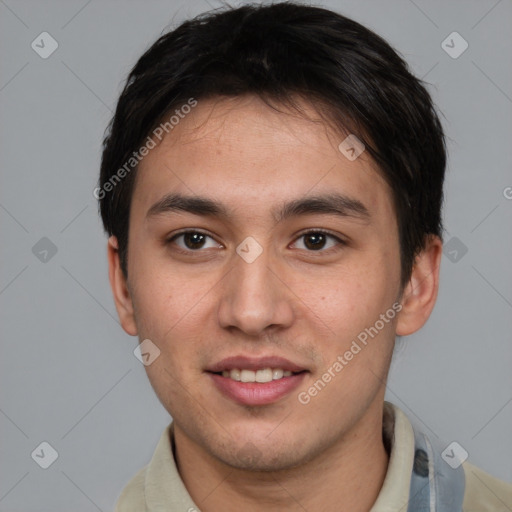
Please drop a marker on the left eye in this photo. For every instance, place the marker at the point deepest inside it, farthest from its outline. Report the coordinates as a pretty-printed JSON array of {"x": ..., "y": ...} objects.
[{"x": 318, "y": 240}]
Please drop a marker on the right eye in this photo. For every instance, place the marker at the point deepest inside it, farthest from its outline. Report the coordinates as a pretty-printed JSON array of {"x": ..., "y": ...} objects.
[{"x": 192, "y": 241}]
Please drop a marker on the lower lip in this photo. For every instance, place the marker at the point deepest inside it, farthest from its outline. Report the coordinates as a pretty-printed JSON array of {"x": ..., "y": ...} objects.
[{"x": 255, "y": 393}]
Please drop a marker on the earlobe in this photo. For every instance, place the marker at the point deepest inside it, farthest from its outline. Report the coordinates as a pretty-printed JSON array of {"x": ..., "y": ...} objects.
[
  {"x": 420, "y": 294},
  {"x": 122, "y": 297}
]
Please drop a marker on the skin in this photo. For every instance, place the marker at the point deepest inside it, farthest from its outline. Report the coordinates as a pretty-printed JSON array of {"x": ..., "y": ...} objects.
[{"x": 202, "y": 305}]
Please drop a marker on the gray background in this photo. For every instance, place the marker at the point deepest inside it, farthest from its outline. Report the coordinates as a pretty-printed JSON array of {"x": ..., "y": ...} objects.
[{"x": 68, "y": 373}]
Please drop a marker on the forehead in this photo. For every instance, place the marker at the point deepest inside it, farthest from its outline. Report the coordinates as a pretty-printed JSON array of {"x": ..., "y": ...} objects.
[{"x": 242, "y": 152}]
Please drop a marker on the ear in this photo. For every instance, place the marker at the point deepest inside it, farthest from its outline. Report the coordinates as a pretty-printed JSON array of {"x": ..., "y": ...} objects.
[
  {"x": 420, "y": 294},
  {"x": 120, "y": 290}
]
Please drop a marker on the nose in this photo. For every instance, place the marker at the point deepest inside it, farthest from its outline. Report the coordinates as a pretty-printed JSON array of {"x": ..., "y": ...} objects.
[{"x": 254, "y": 299}]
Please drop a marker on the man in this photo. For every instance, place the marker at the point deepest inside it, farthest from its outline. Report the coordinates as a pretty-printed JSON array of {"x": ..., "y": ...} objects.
[{"x": 272, "y": 185}]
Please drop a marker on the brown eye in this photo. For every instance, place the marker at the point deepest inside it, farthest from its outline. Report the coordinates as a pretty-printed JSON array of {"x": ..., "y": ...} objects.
[
  {"x": 315, "y": 241},
  {"x": 318, "y": 241},
  {"x": 193, "y": 241}
]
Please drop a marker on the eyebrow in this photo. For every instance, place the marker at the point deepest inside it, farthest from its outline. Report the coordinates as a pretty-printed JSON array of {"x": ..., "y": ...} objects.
[{"x": 328, "y": 204}]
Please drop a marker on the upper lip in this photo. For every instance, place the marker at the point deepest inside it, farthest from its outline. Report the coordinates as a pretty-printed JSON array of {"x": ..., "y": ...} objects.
[{"x": 254, "y": 363}]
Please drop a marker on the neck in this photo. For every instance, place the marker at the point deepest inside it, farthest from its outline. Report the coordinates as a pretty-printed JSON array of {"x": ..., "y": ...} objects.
[{"x": 346, "y": 477}]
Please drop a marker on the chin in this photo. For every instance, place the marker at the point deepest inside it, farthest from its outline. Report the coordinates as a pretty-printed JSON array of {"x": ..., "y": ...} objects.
[
  {"x": 251, "y": 458},
  {"x": 264, "y": 454}
]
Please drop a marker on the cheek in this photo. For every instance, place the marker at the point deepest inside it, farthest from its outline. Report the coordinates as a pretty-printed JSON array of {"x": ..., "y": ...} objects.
[
  {"x": 171, "y": 315},
  {"x": 162, "y": 305},
  {"x": 346, "y": 300}
]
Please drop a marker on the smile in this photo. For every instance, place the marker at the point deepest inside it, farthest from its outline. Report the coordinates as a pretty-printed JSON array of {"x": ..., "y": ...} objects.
[
  {"x": 256, "y": 387},
  {"x": 262, "y": 376}
]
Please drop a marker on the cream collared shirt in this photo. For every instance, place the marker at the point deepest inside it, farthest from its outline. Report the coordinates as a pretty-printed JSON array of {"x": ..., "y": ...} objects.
[{"x": 158, "y": 487}]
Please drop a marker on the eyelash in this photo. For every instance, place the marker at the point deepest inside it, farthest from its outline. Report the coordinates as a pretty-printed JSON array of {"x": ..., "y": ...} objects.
[{"x": 340, "y": 242}]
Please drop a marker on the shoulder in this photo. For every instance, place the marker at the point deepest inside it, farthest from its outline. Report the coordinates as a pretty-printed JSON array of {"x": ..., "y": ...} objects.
[
  {"x": 131, "y": 498},
  {"x": 485, "y": 493}
]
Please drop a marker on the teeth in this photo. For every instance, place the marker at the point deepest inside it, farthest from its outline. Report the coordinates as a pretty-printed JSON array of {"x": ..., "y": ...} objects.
[
  {"x": 261, "y": 376},
  {"x": 264, "y": 375},
  {"x": 277, "y": 373},
  {"x": 235, "y": 375},
  {"x": 247, "y": 376}
]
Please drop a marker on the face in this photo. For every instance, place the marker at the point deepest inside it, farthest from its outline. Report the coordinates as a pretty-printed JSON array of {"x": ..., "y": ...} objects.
[{"x": 256, "y": 249}]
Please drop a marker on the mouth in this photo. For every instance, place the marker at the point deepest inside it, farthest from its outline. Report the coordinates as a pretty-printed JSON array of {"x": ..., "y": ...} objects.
[
  {"x": 261, "y": 376},
  {"x": 252, "y": 382}
]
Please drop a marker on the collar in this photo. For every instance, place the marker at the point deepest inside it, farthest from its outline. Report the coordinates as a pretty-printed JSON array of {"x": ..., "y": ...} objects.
[
  {"x": 398, "y": 434},
  {"x": 417, "y": 480}
]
